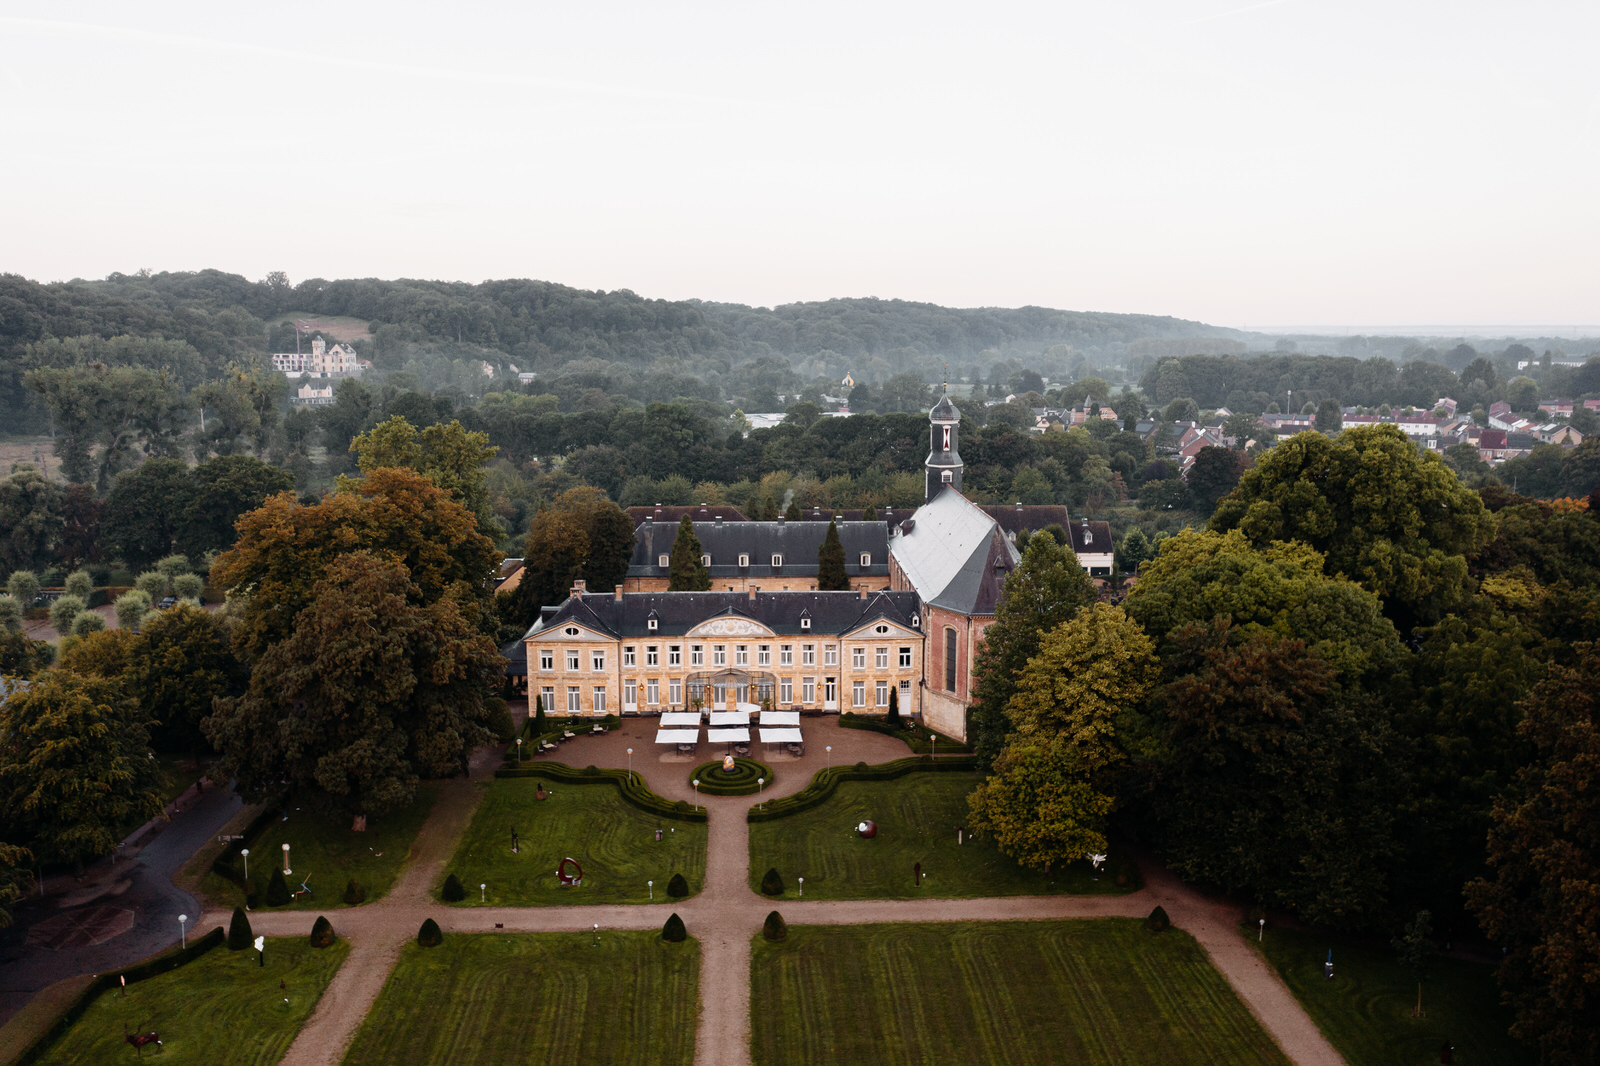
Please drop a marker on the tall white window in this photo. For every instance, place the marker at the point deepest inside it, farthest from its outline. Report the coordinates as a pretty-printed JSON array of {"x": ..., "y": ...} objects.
[
  {"x": 549, "y": 694},
  {"x": 675, "y": 691},
  {"x": 630, "y": 693},
  {"x": 741, "y": 655},
  {"x": 574, "y": 701},
  {"x": 808, "y": 690},
  {"x": 858, "y": 694},
  {"x": 652, "y": 692},
  {"x": 786, "y": 690},
  {"x": 547, "y": 659},
  {"x": 599, "y": 699},
  {"x": 883, "y": 693},
  {"x": 905, "y": 657},
  {"x": 674, "y": 655},
  {"x": 786, "y": 655},
  {"x": 830, "y": 655},
  {"x": 830, "y": 690},
  {"x": 719, "y": 655},
  {"x": 572, "y": 660},
  {"x": 808, "y": 655},
  {"x": 764, "y": 655},
  {"x": 697, "y": 655},
  {"x": 650, "y": 655},
  {"x": 597, "y": 661},
  {"x": 627, "y": 657},
  {"x": 858, "y": 658}
]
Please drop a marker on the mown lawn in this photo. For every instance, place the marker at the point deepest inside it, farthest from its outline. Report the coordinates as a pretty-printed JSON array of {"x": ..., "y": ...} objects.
[
  {"x": 1025, "y": 993},
  {"x": 536, "y": 998},
  {"x": 222, "y": 1007},
  {"x": 325, "y": 850},
  {"x": 1365, "y": 1011},
  {"x": 612, "y": 840},
  {"x": 917, "y": 817}
]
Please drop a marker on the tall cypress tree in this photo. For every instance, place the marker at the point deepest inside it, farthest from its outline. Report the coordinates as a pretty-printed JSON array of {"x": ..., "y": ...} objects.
[
  {"x": 686, "y": 574},
  {"x": 830, "y": 562}
]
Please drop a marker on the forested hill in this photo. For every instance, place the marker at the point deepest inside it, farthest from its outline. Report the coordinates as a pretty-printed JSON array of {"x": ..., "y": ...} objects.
[{"x": 869, "y": 326}]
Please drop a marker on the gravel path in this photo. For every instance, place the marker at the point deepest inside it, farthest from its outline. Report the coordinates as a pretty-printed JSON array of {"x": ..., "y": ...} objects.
[{"x": 725, "y": 915}]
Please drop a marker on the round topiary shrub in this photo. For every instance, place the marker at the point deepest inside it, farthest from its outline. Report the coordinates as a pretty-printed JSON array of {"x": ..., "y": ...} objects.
[
  {"x": 771, "y": 883},
  {"x": 429, "y": 935},
  {"x": 678, "y": 887},
  {"x": 591, "y": 771},
  {"x": 774, "y": 928},
  {"x": 861, "y": 766},
  {"x": 355, "y": 892},
  {"x": 453, "y": 891},
  {"x": 1158, "y": 922},
  {"x": 278, "y": 889},
  {"x": 682, "y": 806},
  {"x": 239, "y": 934},
  {"x": 673, "y": 931},
  {"x": 322, "y": 933}
]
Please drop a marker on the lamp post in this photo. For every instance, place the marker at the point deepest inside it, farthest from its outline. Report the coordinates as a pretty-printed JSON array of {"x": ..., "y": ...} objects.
[
  {"x": 802, "y": 887},
  {"x": 829, "y": 750},
  {"x": 630, "y": 764},
  {"x": 245, "y": 854},
  {"x": 519, "y": 749},
  {"x": 286, "y": 870},
  {"x": 183, "y": 929},
  {"x": 651, "y": 885},
  {"x": 1261, "y": 929},
  {"x": 696, "y": 784},
  {"x": 761, "y": 783},
  {"x": 483, "y": 893},
  {"x": 933, "y": 744}
]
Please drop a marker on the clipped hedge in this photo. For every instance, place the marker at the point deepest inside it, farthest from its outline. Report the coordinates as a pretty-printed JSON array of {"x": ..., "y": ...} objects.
[
  {"x": 744, "y": 781},
  {"x": 229, "y": 864},
  {"x": 632, "y": 787},
  {"x": 151, "y": 967},
  {"x": 913, "y": 737},
  {"x": 827, "y": 781}
]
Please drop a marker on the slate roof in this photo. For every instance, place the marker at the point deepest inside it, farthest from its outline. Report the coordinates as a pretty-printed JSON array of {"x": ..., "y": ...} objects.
[
  {"x": 516, "y": 656},
  {"x": 944, "y": 411},
  {"x": 954, "y": 554},
  {"x": 797, "y": 542},
  {"x": 676, "y": 613},
  {"x": 700, "y": 512},
  {"x": 1017, "y": 518}
]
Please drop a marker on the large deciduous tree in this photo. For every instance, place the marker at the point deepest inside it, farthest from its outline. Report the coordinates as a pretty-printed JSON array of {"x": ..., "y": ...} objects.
[
  {"x": 1542, "y": 902},
  {"x": 75, "y": 771},
  {"x": 1386, "y": 515},
  {"x": 1046, "y": 589},
  {"x": 182, "y": 664},
  {"x": 30, "y": 520},
  {"x": 580, "y": 534},
  {"x": 224, "y": 488},
  {"x": 145, "y": 511},
  {"x": 448, "y": 455},
  {"x": 285, "y": 548},
  {"x": 371, "y": 691},
  {"x": 1039, "y": 807}
]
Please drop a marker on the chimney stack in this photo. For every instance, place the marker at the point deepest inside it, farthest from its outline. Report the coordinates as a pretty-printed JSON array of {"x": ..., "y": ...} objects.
[
  {"x": 617, "y": 595},
  {"x": 579, "y": 588}
]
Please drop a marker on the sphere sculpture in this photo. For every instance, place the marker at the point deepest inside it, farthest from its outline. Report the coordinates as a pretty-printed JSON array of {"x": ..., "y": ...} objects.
[{"x": 867, "y": 829}]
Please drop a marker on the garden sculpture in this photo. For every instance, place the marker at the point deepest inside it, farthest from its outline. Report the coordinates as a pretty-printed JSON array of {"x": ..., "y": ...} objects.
[
  {"x": 569, "y": 880},
  {"x": 140, "y": 1039}
]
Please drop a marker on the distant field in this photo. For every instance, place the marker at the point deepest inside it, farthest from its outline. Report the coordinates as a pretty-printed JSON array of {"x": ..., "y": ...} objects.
[
  {"x": 332, "y": 327},
  {"x": 545, "y": 997},
  {"x": 1090, "y": 993},
  {"x": 34, "y": 451}
]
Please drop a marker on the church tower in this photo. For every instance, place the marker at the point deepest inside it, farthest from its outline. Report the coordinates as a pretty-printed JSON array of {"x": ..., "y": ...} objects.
[{"x": 944, "y": 463}]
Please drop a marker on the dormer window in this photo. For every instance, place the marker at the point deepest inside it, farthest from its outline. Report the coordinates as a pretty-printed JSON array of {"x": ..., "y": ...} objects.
[
  {"x": 744, "y": 559},
  {"x": 1088, "y": 537},
  {"x": 777, "y": 560},
  {"x": 866, "y": 558},
  {"x": 663, "y": 561},
  {"x": 705, "y": 560},
  {"x": 805, "y": 623},
  {"x": 651, "y": 625},
  {"x": 916, "y": 621},
  {"x": 947, "y": 478}
]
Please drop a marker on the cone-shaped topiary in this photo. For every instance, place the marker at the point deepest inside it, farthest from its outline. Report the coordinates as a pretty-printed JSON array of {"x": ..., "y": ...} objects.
[
  {"x": 239, "y": 934},
  {"x": 775, "y": 928},
  {"x": 429, "y": 936},
  {"x": 278, "y": 889},
  {"x": 678, "y": 887},
  {"x": 771, "y": 883},
  {"x": 1158, "y": 922},
  {"x": 893, "y": 718},
  {"x": 674, "y": 931},
  {"x": 454, "y": 891},
  {"x": 322, "y": 933},
  {"x": 354, "y": 892}
]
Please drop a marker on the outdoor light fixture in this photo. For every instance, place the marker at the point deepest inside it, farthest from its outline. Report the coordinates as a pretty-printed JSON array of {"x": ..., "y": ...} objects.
[
  {"x": 286, "y": 870},
  {"x": 519, "y": 749},
  {"x": 829, "y": 750},
  {"x": 802, "y": 886},
  {"x": 245, "y": 852},
  {"x": 651, "y": 885},
  {"x": 482, "y": 890},
  {"x": 630, "y": 762},
  {"x": 183, "y": 928}
]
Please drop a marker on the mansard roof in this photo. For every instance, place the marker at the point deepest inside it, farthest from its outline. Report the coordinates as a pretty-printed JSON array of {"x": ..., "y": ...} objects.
[
  {"x": 628, "y": 616},
  {"x": 797, "y": 542}
]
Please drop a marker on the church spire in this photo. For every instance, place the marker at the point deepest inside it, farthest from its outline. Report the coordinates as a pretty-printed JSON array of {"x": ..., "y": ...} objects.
[{"x": 944, "y": 462}]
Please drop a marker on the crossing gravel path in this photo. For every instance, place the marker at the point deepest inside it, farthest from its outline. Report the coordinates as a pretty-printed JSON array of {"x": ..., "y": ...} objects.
[{"x": 725, "y": 915}]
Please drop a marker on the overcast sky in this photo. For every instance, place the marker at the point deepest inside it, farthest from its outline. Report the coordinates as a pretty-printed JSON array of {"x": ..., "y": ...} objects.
[{"x": 1246, "y": 164}]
